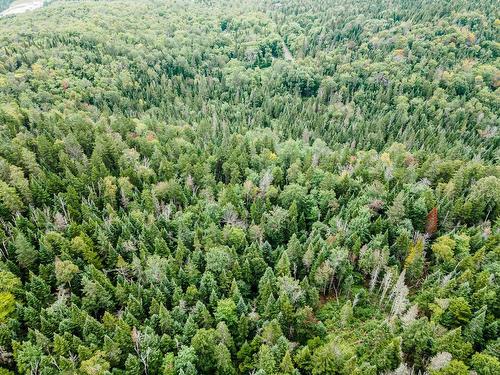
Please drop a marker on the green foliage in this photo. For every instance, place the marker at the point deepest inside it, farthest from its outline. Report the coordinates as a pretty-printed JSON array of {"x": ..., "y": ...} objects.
[
  {"x": 457, "y": 313},
  {"x": 10, "y": 202},
  {"x": 331, "y": 359},
  {"x": 10, "y": 282},
  {"x": 453, "y": 368},
  {"x": 443, "y": 248},
  {"x": 419, "y": 342},
  {"x": 226, "y": 312},
  {"x": 7, "y": 305},
  {"x": 485, "y": 364},
  {"x": 95, "y": 365},
  {"x": 25, "y": 252},
  {"x": 453, "y": 342},
  {"x": 65, "y": 270},
  {"x": 260, "y": 187}
]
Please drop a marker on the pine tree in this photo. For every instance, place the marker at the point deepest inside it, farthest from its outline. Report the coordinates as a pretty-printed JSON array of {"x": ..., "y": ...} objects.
[
  {"x": 283, "y": 265},
  {"x": 266, "y": 361},
  {"x": 474, "y": 330},
  {"x": 26, "y": 254},
  {"x": 286, "y": 366}
]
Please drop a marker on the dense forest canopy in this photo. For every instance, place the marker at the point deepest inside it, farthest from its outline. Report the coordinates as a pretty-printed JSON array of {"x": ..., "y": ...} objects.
[{"x": 250, "y": 187}]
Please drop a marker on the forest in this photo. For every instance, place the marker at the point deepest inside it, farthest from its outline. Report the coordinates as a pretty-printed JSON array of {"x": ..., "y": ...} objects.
[{"x": 267, "y": 187}]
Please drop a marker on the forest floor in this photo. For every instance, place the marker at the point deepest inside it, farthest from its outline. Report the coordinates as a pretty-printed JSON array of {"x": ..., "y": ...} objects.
[{"x": 21, "y": 6}]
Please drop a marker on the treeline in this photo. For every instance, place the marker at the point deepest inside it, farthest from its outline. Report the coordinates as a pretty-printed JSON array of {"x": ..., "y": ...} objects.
[{"x": 181, "y": 194}]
